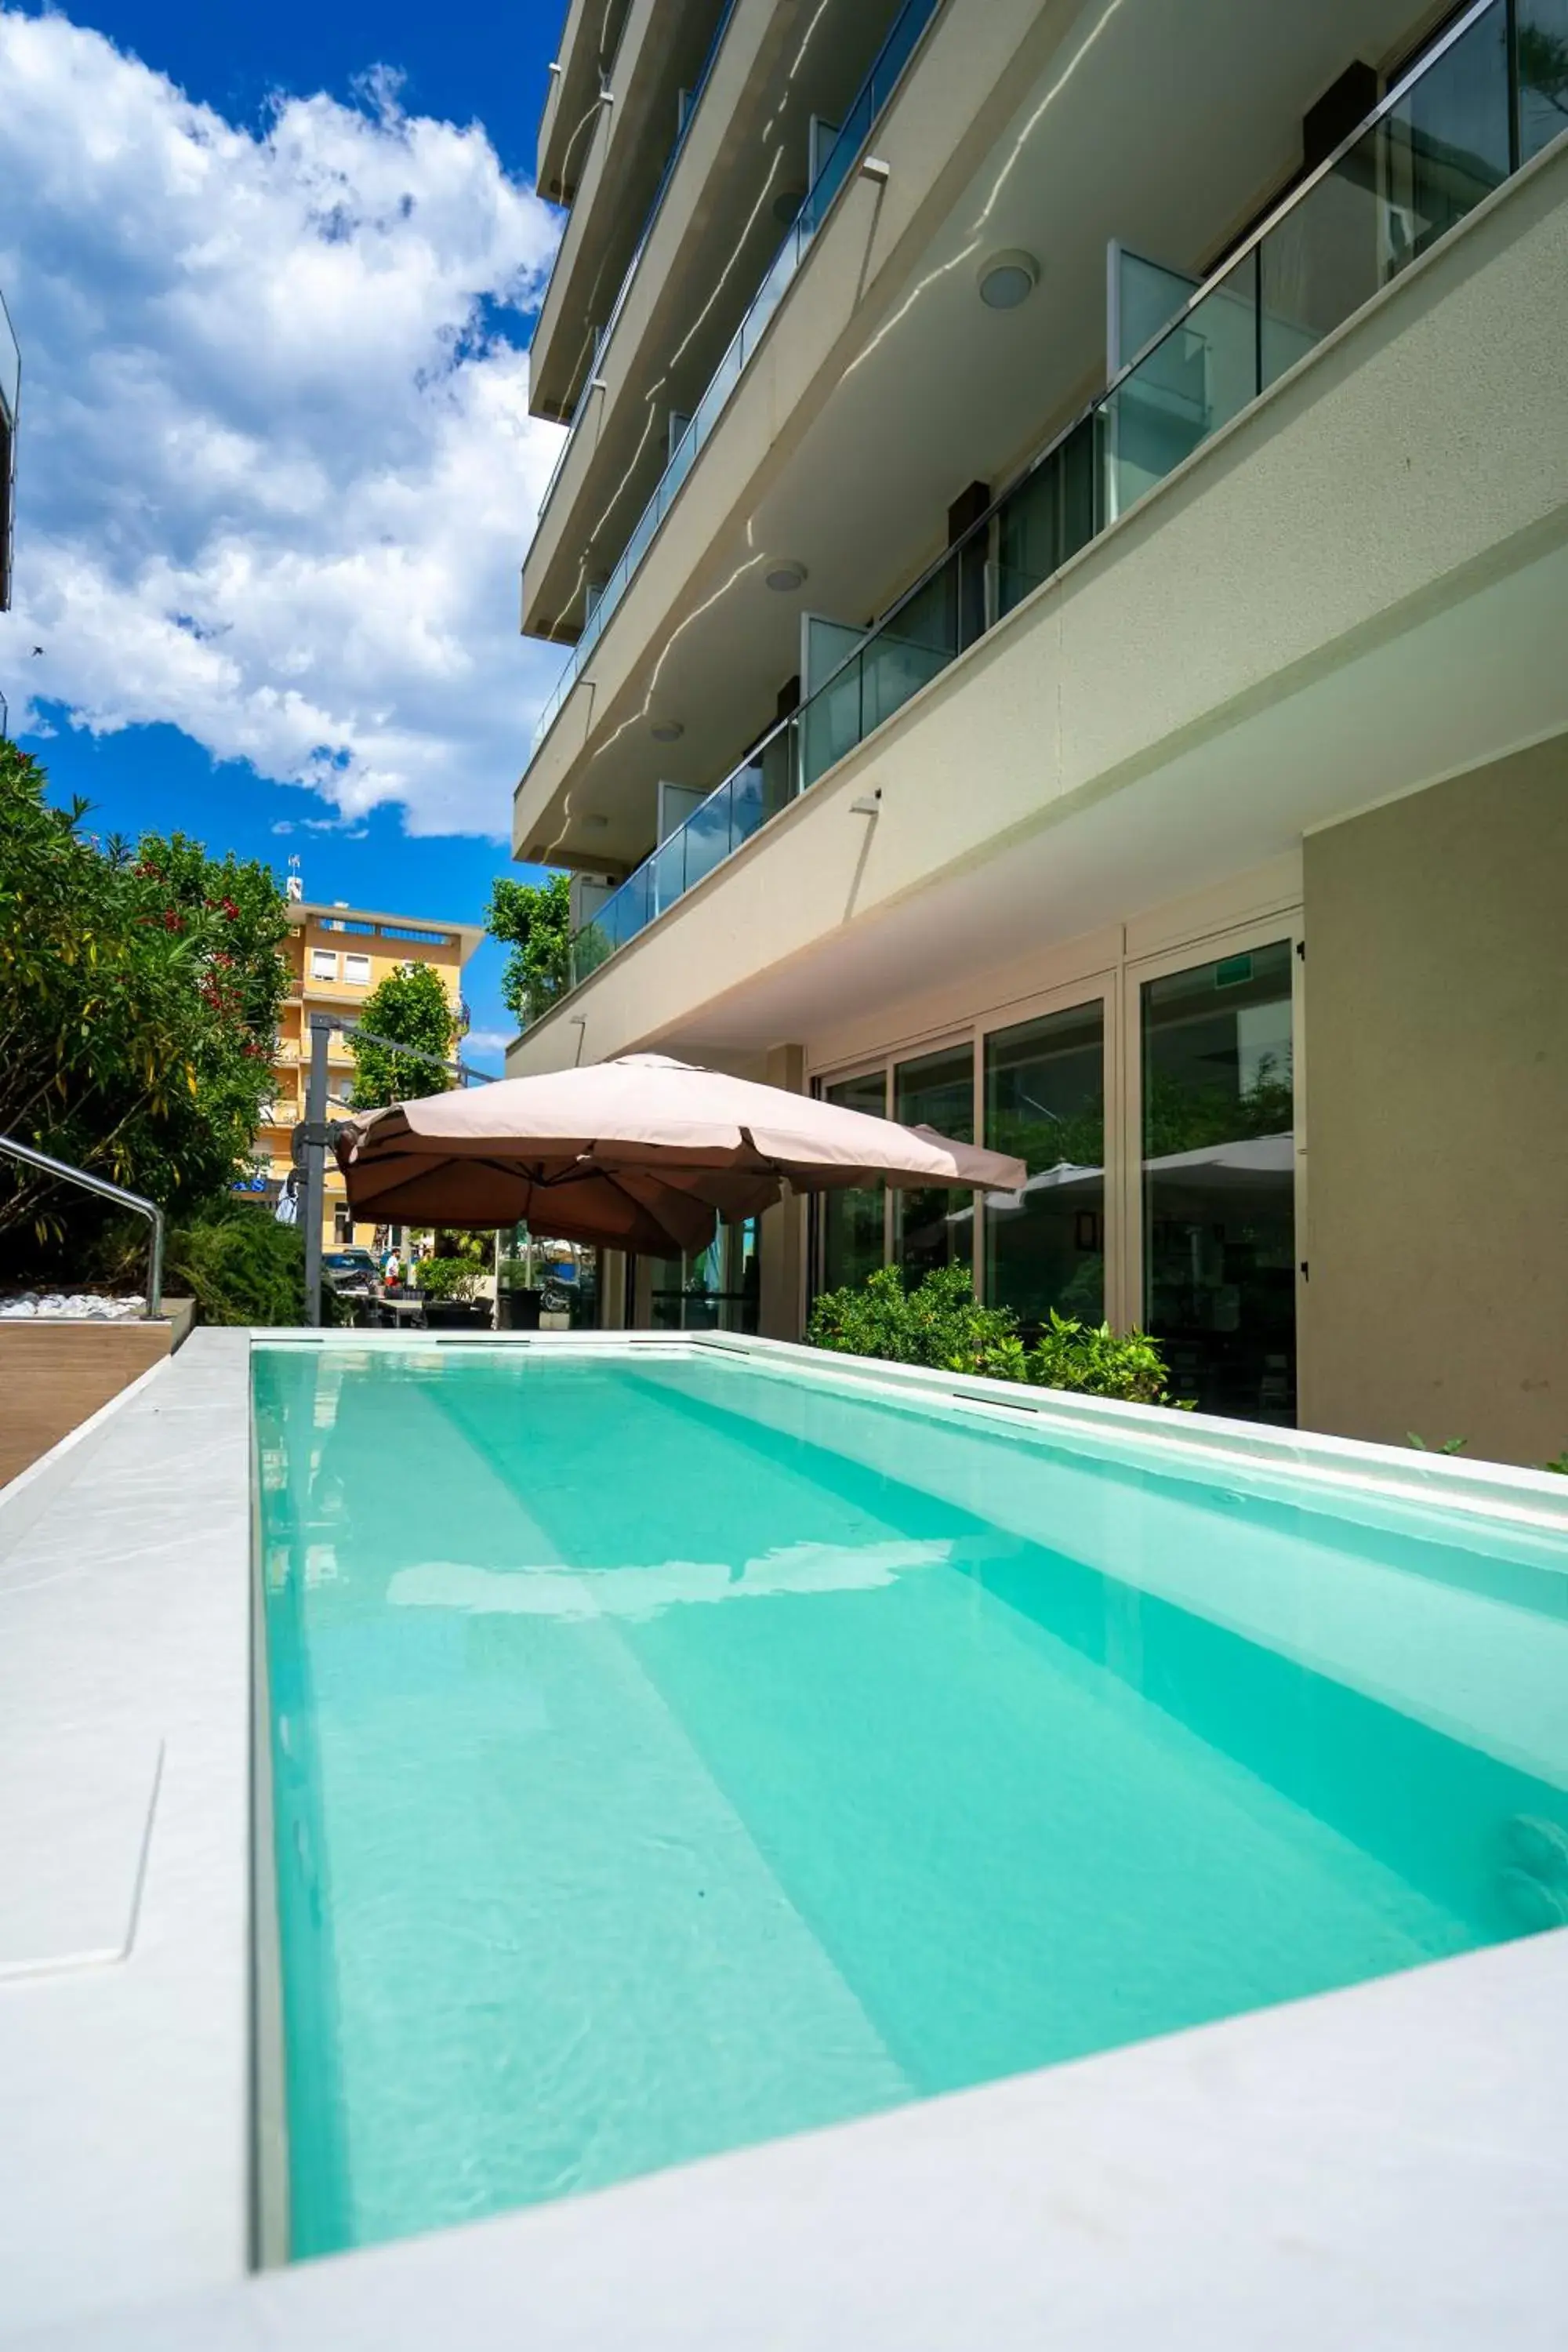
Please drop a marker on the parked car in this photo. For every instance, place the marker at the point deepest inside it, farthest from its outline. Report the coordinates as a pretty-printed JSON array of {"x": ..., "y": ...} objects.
[{"x": 352, "y": 1273}]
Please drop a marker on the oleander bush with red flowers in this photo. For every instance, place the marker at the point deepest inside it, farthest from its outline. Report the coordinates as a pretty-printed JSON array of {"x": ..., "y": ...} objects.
[{"x": 139, "y": 991}]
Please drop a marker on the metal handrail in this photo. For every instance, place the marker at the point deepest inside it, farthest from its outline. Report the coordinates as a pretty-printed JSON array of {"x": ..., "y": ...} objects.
[{"x": 108, "y": 1191}]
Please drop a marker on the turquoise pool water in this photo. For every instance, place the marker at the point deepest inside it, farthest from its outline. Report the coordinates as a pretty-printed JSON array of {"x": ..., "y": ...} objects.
[{"x": 670, "y": 1754}]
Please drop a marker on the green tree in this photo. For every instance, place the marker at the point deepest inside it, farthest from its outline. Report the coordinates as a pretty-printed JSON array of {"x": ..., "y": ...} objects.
[
  {"x": 410, "y": 1007},
  {"x": 534, "y": 919},
  {"x": 1543, "y": 65},
  {"x": 140, "y": 990}
]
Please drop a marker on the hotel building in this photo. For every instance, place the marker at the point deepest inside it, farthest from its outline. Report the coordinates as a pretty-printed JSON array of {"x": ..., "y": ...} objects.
[{"x": 1060, "y": 555}]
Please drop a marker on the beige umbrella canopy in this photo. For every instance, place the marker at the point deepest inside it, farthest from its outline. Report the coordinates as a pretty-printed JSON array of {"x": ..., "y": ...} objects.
[{"x": 641, "y": 1154}]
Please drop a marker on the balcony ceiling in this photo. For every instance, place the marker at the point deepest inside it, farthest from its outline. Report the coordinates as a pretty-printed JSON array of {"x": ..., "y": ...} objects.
[{"x": 1164, "y": 128}]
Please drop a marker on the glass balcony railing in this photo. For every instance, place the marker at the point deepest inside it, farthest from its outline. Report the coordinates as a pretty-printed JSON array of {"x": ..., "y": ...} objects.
[
  {"x": 1488, "y": 95},
  {"x": 875, "y": 90},
  {"x": 10, "y": 367},
  {"x": 618, "y": 305}
]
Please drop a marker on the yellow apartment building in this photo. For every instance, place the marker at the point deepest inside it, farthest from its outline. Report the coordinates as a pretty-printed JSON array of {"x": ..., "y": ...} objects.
[{"x": 337, "y": 955}]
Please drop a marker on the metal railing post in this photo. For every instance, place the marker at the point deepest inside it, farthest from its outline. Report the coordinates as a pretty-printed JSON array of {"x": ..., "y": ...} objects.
[
  {"x": 108, "y": 1191},
  {"x": 314, "y": 1188}
]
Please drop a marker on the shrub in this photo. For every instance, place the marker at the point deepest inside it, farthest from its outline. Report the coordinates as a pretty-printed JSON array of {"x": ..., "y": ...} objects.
[
  {"x": 447, "y": 1277},
  {"x": 942, "y": 1324},
  {"x": 238, "y": 1265},
  {"x": 1095, "y": 1360}
]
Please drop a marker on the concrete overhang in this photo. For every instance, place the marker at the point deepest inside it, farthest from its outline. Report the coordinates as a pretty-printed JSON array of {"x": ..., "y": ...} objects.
[
  {"x": 583, "y": 57},
  {"x": 742, "y": 170},
  {"x": 626, "y": 140},
  {"x": 1353, "y": 590},
  {"x": 882, "y": 369}
]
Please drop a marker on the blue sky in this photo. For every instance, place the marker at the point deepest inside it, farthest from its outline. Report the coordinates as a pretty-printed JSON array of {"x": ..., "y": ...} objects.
[{"x": 274, "y": 273}]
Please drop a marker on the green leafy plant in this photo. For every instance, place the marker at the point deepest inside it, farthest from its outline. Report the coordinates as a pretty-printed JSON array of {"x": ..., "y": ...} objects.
[
  {"x": 1095, "y": 1360},
  {"x": 139, "y": 991},
  {"x": 1448, "y": 1445},
  {"x": 443, "y": 1278},
  {"x": 229, "y": 1255},
  {"x": 534, "y": 919},
  {"x": 410, "y": 1007},
  {"x": 1558, "y": 1464},
  {"x": 942, "y": 1325}
]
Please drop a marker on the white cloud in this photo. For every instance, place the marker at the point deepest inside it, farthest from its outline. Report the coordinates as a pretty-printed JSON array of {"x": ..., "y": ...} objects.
[{"x": 276, "y": 469}]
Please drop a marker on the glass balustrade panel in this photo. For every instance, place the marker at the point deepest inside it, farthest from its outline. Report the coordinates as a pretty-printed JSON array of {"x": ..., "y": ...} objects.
[
  {"x": 1542, "y": 35},
  {"x": 748, "y": 806},
  {"x": 1445, "y": 145},
  {"x": 1323, "y": 260},
  {"x": 830, "y": 722},
  {"x": 708, "y": 835},
  {"x": 780, "y": 774},
  {"x": 1202, "y": 374},
  {"x": 666, "y": 870},
  {"x": 895, "y": 53},
  {"x": 916, "y": 645}
]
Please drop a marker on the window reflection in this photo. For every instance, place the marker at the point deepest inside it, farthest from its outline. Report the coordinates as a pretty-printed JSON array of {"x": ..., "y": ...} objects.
[
  {"x": 1219, "y": 1258},
  {"x": 715, "y": 1289},
  {"x": 1045, "y": 1103},
  {"x": 852, "y": 1245},
  {"x": 933, "y": 1226}
]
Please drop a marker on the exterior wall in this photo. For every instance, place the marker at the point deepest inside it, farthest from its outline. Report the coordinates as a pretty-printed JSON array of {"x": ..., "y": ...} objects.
[
  {"x": 312, "y": 928},
  {"x": 1417, "y": 459},
  {"x": 1438, "y": 1234}
]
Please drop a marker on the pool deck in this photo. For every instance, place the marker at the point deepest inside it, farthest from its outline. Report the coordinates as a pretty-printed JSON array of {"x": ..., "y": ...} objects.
[{"x": 1385, "y": 2166}]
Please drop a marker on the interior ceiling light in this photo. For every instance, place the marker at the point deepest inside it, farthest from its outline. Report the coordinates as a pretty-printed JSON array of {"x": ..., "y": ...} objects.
[
  {"x": 667, "y": 730},
  {"x": 1008, "y": 278},
  {"x": 784, "y": 579}
]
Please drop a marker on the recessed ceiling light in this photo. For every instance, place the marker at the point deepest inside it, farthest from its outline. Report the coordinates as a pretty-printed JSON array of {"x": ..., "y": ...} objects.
[
  {"x": 667, "y": 730},
  {"x": 1007, "y": 279},
  {"x": 785, "y": 578}
]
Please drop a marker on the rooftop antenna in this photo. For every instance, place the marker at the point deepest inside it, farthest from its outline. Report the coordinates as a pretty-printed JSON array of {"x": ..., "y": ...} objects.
[{"x": 294, "y": 888}]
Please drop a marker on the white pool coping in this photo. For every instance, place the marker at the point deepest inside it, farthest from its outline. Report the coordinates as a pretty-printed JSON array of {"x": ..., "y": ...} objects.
[{"x": 1382, "y": 2166}]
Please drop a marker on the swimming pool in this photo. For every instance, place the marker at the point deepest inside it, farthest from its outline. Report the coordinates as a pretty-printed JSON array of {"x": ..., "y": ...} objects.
[{"x": 674, "y": 1749}]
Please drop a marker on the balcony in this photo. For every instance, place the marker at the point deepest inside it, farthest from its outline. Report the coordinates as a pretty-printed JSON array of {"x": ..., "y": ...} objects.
[
  {"x": 663, "y": 52},
  {"x": 589, "y": 382},
  {"x": 888, "y": 67},
  {"x": 1469, "y": 114}
]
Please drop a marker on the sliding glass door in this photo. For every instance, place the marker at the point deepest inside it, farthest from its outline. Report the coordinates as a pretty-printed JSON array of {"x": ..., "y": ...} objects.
[
  {"x": 1045, "y": 1103},
  {"x": 934, "y": 1227},
  {"x": 1218, "y": 1140},
  {"x": 854, "y": 1242},
  {"x": 1153, "y": 1106}
]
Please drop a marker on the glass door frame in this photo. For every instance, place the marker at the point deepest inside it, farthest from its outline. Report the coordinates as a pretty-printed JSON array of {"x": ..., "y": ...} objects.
[
  {"x": 1093, "y": 988},
  {"x": 1124, "y": 1288}
]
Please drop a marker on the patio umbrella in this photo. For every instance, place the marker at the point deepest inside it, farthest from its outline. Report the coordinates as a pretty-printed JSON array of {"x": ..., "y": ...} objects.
[{"x": 643, "y": 1154}]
